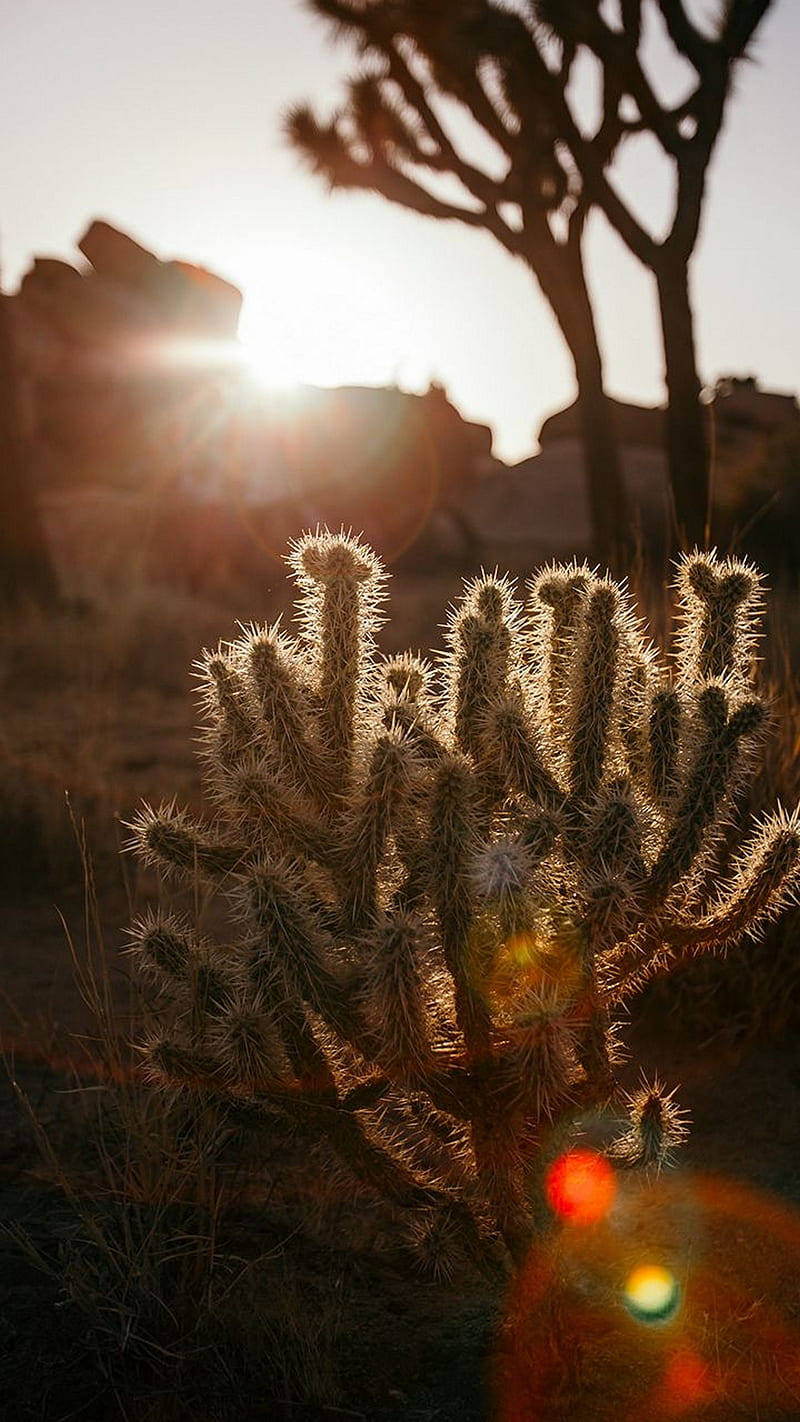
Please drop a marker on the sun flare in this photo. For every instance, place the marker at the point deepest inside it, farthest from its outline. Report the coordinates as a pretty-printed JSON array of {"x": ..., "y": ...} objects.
[{"x": 316, "y": 315}]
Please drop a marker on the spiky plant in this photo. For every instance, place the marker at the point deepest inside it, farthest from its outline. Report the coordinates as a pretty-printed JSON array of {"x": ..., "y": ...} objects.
[{"x": 443, "y": 884}]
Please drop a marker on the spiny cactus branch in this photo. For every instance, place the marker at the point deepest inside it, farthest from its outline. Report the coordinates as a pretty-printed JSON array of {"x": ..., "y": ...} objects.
[{"x": 442, "y": 881}]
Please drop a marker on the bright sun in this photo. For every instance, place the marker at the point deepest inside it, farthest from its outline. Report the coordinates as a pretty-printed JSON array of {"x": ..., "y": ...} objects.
[{"x": 314, "y": 315}]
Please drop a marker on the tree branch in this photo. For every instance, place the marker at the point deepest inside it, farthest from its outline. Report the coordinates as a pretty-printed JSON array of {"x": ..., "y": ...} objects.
[
  {"x": 741, "y": 21},
  {"x": 474, "y": 179},
  {"x": 708, "y": 109},
  {"x": 513, "y": 37},
  {"x": 327, "y": 152},
  {"x": 686, "y": 38}
]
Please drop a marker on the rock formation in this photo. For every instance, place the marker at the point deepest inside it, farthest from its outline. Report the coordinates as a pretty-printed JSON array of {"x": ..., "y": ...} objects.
[{"x": 134, "y": 388}]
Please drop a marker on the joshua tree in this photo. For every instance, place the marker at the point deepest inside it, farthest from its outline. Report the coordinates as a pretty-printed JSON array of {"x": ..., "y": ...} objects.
[
  {"x": 444, "y": 885},
  {"x": 512, "y": 69},
  {"x": 395, "y": 138},
  {"x": 687, "y": 133}
]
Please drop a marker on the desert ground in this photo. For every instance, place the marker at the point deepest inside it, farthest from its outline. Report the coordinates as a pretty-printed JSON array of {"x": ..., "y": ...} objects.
[{"x": 319, "y": 1309}]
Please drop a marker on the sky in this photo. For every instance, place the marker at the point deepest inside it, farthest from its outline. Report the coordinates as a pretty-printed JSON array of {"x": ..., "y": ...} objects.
[{"x": 164, "y": 117}]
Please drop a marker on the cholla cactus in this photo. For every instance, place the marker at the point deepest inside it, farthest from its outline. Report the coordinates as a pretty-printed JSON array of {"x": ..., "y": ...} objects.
[{"x": 444, "y": 883}]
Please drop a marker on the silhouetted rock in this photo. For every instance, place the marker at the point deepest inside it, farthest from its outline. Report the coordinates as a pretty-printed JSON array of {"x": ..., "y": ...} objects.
[
  {"x": 134, "y": 385},
  {"x": 102, "y": 349},
  {"x": 178, "y": 295},
  {"x": 539, "y": 509},
  {"x": 745, "y": 421},
  {"x": 637, "y": 426}
]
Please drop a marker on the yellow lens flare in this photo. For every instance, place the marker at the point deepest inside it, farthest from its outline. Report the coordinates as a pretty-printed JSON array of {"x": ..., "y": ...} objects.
[
  {"x": 535, "y": 961},
  {"x": 516, "y": 969},
  {"x": 652, "y": 1293}
]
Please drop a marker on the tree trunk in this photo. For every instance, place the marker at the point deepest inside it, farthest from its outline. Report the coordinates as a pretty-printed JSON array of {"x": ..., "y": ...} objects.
[
  {"x": 687, "y": 452},
  {"x": 609, "y": 512},
  {"x": 26, "y": 569},
  {"x": 567, "y": 293}
]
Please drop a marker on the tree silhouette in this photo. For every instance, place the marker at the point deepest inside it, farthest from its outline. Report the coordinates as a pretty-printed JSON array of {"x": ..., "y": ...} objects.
[
  {"x": 26, "y": 569},
  {"x": 512, "y": 70},
  {"x": 396, "y": 136},
  {"x": 687, "y": 133}
]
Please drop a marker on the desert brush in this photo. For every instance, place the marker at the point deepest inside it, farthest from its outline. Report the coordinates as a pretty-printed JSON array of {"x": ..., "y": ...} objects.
[{"x": 446, "y": 879}]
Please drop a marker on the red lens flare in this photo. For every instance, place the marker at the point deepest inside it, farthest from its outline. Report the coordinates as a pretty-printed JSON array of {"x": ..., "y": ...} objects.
[
  {"x": 580, "y": 1187},
  {"x": 687, "y": 1382}
]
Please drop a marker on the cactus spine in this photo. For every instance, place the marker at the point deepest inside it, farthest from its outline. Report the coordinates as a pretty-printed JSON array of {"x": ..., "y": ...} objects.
[{"x": 442, "y": 885}]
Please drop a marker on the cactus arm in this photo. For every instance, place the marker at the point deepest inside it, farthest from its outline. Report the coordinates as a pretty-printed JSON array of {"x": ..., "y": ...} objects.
[
  {"x": 408, "y": 714},
  {"x": 557, "y": 597},
  {"x": 227, "y": 704},
  {"x": 634, "y": 694},
  {"x": 245, "y": 1038},
  {"x": 593, "y": 1042},
  {"x": 164, "y": 947},
  {"x": 592, "y": 701},
  {"x": 482, "y": 634},
  {"x": 338, "y": 678},
  {"x": 612, "y": 843},
  {"x": 362, "y": 1152},
  {"x": 429, "y": 747},
  {"x": 341, "y": 582},
  {"x": 719, "y": 605},
  {"x": 306, "y": 1057},
  {"x": 663, "y": 743},
  {"x": 390, "y": 993},
  {"x": 452, "y": 839},
  {"x": 708, "y": 783},
  {"x": 274, "y": 676},
  {"x": 764, "y": 879},
  {"x": 519, "y": 759},
  {"x": 260, "y": 803},
  {"x": 499, "y": 1170},
  {"x": 170, "y": 840},
  {"x": 286, "y": 939},
  {"x": 367, "y": 825}
]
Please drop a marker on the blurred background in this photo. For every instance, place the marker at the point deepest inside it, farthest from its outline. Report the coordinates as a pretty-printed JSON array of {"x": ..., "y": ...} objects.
[{"x": 208, "y": 337}]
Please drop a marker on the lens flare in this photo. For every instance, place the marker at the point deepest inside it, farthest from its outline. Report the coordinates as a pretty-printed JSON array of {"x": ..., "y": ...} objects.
[
  {"x": 687, "y": 1382},
  {"x": 538, "y": 962},
  {"x": 652, "y": 1293},
  {"x": 680, "y": 1302},
  {"x": 580, "y": 1187}
]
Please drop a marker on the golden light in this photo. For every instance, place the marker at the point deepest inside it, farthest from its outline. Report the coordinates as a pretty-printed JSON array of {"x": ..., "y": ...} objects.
[
  {"x": 652, "y": 1293},
  {"x": 538, "y": 961}
]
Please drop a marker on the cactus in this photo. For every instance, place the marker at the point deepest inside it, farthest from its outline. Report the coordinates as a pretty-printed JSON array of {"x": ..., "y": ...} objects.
[{"x": 444, "y": 881}]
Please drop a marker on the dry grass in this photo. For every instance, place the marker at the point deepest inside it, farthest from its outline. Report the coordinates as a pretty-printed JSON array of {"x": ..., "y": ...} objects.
[{"x": 184, "y": 1296}]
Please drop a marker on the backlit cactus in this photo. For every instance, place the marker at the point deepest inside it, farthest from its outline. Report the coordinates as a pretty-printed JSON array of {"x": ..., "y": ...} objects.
[{"x": 443, "y": 880}]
